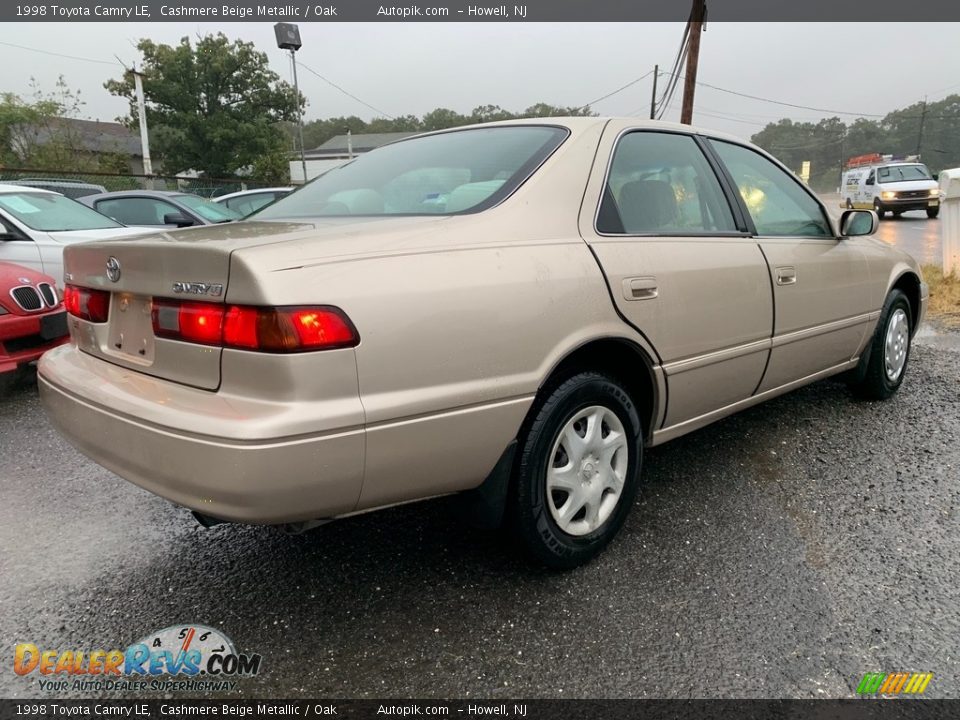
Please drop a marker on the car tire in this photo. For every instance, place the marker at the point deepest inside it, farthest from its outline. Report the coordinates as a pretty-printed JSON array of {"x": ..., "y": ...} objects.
[
  {"x": 570, "y": 495},
  {"x": 897, "y": 214},
  {"x": 888, "y": 352},
  {"x": 849, "y": 204},
  {"x": 878, "y": 210},
  {"x": 933, "y": 212}
]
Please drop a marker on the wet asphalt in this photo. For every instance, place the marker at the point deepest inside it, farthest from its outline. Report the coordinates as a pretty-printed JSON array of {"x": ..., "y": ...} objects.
[{"x": 782, "y": 552}]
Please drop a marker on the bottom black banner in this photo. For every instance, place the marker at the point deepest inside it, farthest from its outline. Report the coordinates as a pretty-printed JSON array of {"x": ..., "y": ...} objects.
[{"x": 866, "y": 709}]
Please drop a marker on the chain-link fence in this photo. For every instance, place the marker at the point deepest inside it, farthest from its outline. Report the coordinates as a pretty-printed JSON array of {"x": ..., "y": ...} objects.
[{"x": 78, "y": 184}]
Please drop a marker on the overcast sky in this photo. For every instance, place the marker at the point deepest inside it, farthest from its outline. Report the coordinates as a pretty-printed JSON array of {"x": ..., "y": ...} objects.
[{"x": 413, "y": 68}]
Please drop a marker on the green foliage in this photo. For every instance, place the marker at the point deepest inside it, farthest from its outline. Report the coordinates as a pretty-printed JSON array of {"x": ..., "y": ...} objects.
[
  {"x": 272, "y": 168},
  {"x": 213, "y": 107},
  {"x": 317, "y": 132},
  {"x": 829, "y": 143},
  {"x": 33, "y": 135}
]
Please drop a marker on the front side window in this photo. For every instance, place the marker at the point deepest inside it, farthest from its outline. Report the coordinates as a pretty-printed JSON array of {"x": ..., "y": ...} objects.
[
  {"x": 138, "y": 210},
  {"x": 776, "y": 201},
  {"x": 662, "y": 183},
  {"x": 448, "y": 173},
  {"x": 53, "y": 213}
]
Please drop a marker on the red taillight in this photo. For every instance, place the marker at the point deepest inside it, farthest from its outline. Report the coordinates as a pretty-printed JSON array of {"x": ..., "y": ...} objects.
[
  {"x": 275, "y": 330},
  {"x": 87, "y": 304}
]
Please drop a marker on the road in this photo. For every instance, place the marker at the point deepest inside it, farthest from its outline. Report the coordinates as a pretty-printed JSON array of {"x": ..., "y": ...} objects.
[
  {"x": 783, "y": 552},
  {"x": 913, "y": 232}
]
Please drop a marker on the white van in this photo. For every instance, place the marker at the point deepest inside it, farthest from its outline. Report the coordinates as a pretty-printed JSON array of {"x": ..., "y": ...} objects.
[{"x": 894, "y": 186}]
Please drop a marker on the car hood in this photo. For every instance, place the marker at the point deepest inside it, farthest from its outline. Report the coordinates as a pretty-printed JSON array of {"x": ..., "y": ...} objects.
[
  {"x": 910, "y": 185},
  {"x": 68, "y": 237},
  {"x": 12, "y": 275}
]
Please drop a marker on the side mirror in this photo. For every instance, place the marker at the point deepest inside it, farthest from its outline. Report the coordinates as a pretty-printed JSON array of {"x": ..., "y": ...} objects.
[
  {"x": 854, "y": 223},
  {"x": 178, "y": 219}
]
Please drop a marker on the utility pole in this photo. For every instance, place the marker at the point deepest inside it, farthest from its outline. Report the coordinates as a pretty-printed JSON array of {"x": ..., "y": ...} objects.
[
  {"x": 653, "y": 95},
  {"x": 695, "y": 26},
  {"x": 142, "y": 114},
  {"x": 923, "y": 117}
]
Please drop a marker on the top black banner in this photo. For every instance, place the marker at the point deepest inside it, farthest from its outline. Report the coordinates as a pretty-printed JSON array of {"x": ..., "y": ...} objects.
[{"x": 301, "y": 11}]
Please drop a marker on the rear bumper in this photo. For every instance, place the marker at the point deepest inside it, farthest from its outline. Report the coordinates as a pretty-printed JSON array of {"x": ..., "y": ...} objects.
[
  {"x": 264, "y": 480},
  {"x": 20, "y": 341}
]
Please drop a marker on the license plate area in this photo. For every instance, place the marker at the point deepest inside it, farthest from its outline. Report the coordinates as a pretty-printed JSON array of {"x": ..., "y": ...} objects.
[
  {"x": 53, "y": 326},
  {"x": 131, "y": 328}
]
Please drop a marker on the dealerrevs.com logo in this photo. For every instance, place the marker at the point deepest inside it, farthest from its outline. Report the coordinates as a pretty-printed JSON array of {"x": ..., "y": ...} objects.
[{"x": 180, "y": 657}]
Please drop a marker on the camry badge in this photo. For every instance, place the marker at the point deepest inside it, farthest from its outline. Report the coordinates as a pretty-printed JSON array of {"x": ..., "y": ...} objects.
[
  {"x": 198, "y": 288},
  {"x": 113, "y": 269}
]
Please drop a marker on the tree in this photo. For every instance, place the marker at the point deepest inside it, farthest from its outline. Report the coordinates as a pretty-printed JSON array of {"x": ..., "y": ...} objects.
[
  {"x": 33, "y": 134},
  {"x": 213, "y": 107}
]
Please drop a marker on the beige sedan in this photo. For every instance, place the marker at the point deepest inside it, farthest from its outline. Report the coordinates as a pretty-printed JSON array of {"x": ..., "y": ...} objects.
[{"x": 511, "y": 311}]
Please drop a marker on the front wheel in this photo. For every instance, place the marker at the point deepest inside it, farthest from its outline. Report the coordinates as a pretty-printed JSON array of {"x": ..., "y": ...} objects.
[
  {"x": 889, "y": 351},
  {"x": 879, "y": 210},
  {"x": 932, "y": 212},
  {"x": 576, "y": 475}
]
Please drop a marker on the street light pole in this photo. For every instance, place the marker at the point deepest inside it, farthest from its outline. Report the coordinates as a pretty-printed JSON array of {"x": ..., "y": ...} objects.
[
  {"x": 288, "y": 38},
  {"x": 296, "y": 89}
]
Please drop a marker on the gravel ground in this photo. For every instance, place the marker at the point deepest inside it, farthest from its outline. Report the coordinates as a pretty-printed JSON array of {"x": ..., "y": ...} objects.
[{"x": 783, "y": 552}]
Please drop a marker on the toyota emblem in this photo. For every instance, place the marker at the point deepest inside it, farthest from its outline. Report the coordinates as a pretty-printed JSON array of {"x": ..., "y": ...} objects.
[{"x": 113, "y": 269}]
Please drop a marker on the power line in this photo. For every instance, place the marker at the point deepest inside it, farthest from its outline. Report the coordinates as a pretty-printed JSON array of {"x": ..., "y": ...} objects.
[
  {"x": 786, "y": 104},
  {"x": 56, "y": 54},
  {"x": 618, "y": 90},
  {"x": 667, "y": 97},
  {"x": 345, "y": 92}
]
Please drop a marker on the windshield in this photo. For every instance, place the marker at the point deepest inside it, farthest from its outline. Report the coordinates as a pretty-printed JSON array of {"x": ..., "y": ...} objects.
[
  {"x": 209, "y": 211},
  {"x": 452, "y": 172},
  {"x": 53, "y": 213},
  {"x": 896, "y": 173}
]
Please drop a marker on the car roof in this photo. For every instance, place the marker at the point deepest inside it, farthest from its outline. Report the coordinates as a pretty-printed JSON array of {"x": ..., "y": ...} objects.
[
  {"x": 136, "y": 193},
  {"x": 7, "y": 187},
  {"x": 252, "y": 191}
]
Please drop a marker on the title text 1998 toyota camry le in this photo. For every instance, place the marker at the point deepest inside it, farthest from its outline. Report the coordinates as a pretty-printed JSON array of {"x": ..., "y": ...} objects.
[{"x": 514, "y": 309}]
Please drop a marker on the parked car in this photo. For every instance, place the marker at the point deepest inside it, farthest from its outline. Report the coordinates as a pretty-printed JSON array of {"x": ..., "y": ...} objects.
[
  {"x": 513, "y": 310},
  {"x": 159, "y": 208},
  {"x": 36, "y": 225},
  {"x": 32, "y": 318},
  {"x": 68, "y": 188},
  {"x": 247, "y": 202}
]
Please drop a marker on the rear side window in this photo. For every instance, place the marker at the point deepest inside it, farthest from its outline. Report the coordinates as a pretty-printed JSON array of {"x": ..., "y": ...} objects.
[
  {"x": 662, "y": 183},
  {"x": 776, "y": 201}
]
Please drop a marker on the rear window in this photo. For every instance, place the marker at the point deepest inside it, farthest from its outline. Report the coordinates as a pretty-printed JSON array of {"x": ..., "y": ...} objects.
[{"x": 445, "y": 174}]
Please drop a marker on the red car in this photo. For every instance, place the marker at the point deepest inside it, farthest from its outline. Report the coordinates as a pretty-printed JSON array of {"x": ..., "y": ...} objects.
[{"x": 32, "y": 316}]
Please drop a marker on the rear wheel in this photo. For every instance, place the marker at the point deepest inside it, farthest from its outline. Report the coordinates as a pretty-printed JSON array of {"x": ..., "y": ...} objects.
[
  {"x": 849, "y": 204},
  {"x": 932, "y": 212},
  {"x": 889, "y": 351},
  {"x": 897, "y": 214},
  {"x": 576, "y": 474}
]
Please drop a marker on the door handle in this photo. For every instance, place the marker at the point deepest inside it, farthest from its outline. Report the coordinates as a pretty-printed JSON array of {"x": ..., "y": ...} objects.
[
  {"x": 640, "y": 288},
  {"x": 786, "y": 275}
]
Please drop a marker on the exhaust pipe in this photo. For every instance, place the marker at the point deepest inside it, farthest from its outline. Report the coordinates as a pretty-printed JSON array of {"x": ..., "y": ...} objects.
[{"x": 207, "y": 521}]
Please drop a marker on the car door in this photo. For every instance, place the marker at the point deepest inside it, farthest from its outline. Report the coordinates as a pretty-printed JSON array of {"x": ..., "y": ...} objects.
[
  {"x": 681, "y": 266},
  {"x": 820, "y": 282},
  {"x": 17, "y": 245}
]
